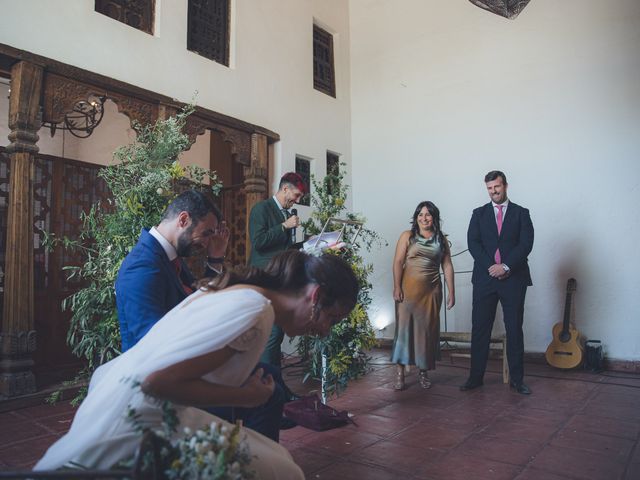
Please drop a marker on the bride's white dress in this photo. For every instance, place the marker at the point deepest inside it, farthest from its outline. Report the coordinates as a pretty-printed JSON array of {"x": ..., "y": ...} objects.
[{"x": 101, "y": 434}]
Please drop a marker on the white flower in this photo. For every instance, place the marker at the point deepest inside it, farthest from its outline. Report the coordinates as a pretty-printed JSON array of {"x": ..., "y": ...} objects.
[
  {"x": 159, "y": 191},
  {"x": 187, "y": 431}
]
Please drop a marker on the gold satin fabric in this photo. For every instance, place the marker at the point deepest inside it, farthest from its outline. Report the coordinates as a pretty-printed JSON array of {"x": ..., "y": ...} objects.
[{"x": 417, "y": 334}]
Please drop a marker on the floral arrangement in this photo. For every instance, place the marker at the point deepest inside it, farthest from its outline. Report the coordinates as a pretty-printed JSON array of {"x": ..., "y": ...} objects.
[
  {"x": 214, "y": 451},
  {"x": 345, "y": 347}
]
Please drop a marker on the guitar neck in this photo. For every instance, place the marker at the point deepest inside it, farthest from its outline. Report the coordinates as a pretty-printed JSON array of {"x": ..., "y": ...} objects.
[
  {"x": 571, "y": 287},
  {"x": 567, "y": 313}
]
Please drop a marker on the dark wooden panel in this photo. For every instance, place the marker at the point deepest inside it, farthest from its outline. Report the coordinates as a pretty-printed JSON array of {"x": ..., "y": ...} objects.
[{"x": 135, "y": 13}]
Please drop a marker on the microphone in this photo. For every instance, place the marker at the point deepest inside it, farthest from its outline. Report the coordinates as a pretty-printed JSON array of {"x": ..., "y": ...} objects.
[{"x": 294, "y": 212}]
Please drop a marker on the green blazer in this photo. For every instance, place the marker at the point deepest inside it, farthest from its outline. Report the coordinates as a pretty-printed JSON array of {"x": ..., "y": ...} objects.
[{"x": 266, "y": 233}]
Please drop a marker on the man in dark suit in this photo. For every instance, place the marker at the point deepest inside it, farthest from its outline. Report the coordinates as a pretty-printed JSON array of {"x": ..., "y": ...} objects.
[
  {"x": 500, "y": 237},
  {"x": 153, "y": 279},
  {"x": 271, "y": 225}
]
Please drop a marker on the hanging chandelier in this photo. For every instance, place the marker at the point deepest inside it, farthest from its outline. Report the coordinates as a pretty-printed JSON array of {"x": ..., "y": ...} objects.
[
  {"x": 507, "y": 8},
  {"x": 83, "y": 118}
]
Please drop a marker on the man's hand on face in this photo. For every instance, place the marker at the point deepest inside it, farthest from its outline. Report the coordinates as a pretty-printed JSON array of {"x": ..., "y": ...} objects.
[{"x": 218, "y": 242}]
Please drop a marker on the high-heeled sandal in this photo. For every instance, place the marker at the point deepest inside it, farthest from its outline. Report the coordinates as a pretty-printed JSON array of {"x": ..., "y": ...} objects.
[
  {"x": 424, "y": 379},
  {"x": 399, "y": 385}
]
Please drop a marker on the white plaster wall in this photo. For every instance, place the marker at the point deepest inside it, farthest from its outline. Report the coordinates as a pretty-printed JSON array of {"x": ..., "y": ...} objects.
[
  {"x": 270, "y": 83},
  {"x": 443, "y": 92}
]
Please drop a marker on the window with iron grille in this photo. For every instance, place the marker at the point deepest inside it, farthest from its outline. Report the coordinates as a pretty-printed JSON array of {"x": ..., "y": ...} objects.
[
  {"x": 135, "y": 13},
  {"x": 303, "y": 168},
  {"x": 333, "y": 169},
  {"x": 208, "y": 29},
  {"x": 333, "y": 163},
  {"x": 324, "y": 78}
]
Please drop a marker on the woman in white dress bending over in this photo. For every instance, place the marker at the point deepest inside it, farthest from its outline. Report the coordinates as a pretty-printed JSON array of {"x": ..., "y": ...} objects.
[{"x": 202, "y": 353}]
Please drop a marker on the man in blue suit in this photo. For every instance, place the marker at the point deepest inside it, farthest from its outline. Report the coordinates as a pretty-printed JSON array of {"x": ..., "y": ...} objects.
[
  {"x": 500, "y": 237},
  {"x": 153, "y": 279}
]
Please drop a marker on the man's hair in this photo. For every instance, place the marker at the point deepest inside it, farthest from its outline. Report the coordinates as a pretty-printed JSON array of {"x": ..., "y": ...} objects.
[
  {"x": 195, "y": 203},
  {"x": 293, "y": 179},
  {"x": 493, "y": 174}
]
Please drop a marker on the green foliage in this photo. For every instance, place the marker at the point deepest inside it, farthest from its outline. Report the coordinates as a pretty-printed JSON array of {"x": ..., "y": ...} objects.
[
  {"x": 346, "y": 345},
  {"x": 142, "y": 182},
  {"x": 213, "y": 451}
]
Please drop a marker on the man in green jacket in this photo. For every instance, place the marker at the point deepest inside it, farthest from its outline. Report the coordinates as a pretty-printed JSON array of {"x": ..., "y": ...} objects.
[{"x": 271, "y": 230}]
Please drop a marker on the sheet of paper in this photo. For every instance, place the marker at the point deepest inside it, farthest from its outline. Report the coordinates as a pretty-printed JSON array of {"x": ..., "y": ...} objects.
[{"x": 327, "y": 239}]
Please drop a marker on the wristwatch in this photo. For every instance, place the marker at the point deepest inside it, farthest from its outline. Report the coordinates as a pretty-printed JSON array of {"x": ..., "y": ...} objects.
[{"x": 505, "y": 268}]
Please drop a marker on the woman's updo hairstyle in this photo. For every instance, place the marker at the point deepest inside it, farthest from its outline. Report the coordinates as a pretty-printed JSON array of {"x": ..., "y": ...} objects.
[{"x": 293, "y": 270}]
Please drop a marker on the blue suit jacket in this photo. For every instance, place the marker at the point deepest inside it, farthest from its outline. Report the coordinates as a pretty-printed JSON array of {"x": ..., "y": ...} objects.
[
  {"x": 147, "y": 287},
  {"x": 515, "y": 242}
]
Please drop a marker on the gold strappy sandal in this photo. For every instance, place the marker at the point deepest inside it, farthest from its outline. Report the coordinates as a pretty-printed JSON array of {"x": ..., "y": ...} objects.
[{"x": 424, "y": 379}]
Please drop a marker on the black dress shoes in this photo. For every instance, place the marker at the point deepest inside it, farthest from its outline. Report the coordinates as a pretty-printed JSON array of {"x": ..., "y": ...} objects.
[
  {"x": 470, "y": 384},
  {"x": 521, "y": 388},
  {"x": 292, "y": 396},
  {"x": 287, "y": 423}
]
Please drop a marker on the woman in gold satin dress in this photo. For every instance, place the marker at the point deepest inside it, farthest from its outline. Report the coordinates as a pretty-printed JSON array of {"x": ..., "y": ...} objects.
[{"x": 417, "y": 290}]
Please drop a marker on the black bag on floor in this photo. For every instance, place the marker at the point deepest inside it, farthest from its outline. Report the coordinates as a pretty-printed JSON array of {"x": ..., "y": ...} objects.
[{"x": 594, "y": 357}]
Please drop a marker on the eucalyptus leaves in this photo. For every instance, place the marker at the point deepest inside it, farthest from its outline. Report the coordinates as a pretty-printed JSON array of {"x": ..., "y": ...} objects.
[
  {"x": 146, "y": 176},
  {"x": 346, "y": 346}
]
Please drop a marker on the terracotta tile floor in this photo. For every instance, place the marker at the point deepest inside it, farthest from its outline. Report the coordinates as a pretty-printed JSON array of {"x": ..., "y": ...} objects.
[{"x": 576, "y": 425}]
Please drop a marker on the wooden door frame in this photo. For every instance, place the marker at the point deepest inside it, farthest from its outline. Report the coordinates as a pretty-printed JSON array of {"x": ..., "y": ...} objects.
[{"x": 44, "y": 89}]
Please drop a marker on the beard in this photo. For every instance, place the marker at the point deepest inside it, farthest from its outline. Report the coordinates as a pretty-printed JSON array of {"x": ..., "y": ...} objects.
[{"x": 186, "y": 246}]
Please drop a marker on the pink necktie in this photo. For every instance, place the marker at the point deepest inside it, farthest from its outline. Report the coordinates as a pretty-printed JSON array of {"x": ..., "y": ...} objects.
[{"x": 497, "y": 257}]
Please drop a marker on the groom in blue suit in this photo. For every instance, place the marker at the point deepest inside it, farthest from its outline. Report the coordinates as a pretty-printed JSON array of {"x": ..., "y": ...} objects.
[
  {"x": 153, "y": 279},
  {"x": 500, "y": 237}
]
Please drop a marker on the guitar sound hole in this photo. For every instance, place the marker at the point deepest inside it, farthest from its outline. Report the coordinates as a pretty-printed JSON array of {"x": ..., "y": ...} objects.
[{"x": 565, "y": 337}]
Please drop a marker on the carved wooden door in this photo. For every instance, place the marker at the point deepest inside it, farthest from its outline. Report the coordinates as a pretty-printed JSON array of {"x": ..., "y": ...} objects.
[{"x": 62, "y": 190}]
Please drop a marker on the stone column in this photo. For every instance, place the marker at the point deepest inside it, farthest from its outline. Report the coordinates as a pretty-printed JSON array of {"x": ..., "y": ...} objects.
[
  {"x": 255, "y": 177},
  {"x": 17, "y": 334}
]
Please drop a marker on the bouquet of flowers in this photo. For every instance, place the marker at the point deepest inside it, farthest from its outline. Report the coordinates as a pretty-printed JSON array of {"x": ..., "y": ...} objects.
[{"x": 214, "y": 452}]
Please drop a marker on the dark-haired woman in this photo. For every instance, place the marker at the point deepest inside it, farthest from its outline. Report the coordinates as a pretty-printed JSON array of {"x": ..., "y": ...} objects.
[
  {"x": 417, "y": 289},
  {"x": 202, "y": 353}
]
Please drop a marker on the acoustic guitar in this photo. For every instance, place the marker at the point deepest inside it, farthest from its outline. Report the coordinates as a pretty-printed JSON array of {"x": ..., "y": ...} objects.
[{"x": 566, "y": 349}]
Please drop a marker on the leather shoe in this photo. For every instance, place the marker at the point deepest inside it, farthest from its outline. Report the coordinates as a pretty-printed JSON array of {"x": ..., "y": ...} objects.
[
  {"x": 521, "y": 388},
  {"x": 292, "y": 397},
  {"x": 470, "y": 384},
  {"x": 287, "y": 423}
]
